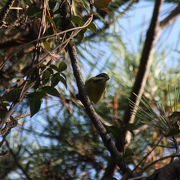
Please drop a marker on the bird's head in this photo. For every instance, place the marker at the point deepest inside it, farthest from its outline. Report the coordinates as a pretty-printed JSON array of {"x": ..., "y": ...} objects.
[{"x": 101, "y": 77}]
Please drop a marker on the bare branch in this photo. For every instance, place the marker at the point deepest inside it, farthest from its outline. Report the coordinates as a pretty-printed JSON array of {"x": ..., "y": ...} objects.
[
  {"x": 96, "y": 120},
  {"x": 144, "y": 68},
  {"x": 170, "y": 18},
  {"x": 94, "y": 117},
  {"x": 145, "y": 63}
]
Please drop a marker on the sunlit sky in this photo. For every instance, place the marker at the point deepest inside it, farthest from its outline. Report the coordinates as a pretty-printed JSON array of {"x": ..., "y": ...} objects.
[{"x": 137, "y": 20}]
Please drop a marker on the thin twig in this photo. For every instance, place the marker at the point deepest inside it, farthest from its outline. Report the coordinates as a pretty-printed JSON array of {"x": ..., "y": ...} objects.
[
  {"x": 160, "y": 159},
  {"x": 19, "y": 117},
  {"x": 145, "y": 157},
  {"x": 14, "y": 106},
  {"x": 175, "y": 144},
  {"x": 85, "y": 25},
  {"x": 5, "y": 12},
  {"x": 4, "y": 137}
]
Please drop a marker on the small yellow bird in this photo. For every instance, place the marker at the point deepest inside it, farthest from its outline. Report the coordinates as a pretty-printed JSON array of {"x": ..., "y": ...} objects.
[
  {"x": 95, "y": 87},
  {"x": 101, "y": 4}
]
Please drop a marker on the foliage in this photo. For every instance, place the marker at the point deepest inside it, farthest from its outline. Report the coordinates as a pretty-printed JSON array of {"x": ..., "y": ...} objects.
[{"x": 59, "y": 141}]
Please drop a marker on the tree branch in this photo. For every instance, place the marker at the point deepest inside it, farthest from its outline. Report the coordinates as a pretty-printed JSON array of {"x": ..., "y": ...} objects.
[
  {"x": 170, "y": 18},
  {"x": 145, "y": 63},
  {"x": 96, "y": 120},
  {"x": 160, "y": 159},
  {"x": 109, "y": 171},
  {"x": 144, "y": 68},
  {"x": 94, "y": 117}
]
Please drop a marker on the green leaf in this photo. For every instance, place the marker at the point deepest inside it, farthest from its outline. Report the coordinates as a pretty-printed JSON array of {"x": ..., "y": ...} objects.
[
  {"x": 62, "y": 67},
  {"x": 51, "y": 90},
  {"x": 54, "y": 67},
  {"x": 80, "y": 22},
  {"x": 58, "y": 78},
  {"x": 77, "y": 20},
  {"x": 46, "y": 76},
  {"x": 35, "y": 100},
  {"x": 40, "y": 92},
  {"x": 80, "y": 36},
  {"x": 12, "y": 95},
  {"x": 55, "y": 79},
  {"x": 92, "y": 27},
  {"x": 50, "y": 70},
  {"x": 5, "y": 103}
]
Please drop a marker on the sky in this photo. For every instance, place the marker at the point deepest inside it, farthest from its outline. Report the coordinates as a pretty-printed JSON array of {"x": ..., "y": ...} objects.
[{"x": 137, "y": 20}]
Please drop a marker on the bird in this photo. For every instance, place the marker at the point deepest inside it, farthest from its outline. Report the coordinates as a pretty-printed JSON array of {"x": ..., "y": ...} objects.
[
  {"x": 95, "y": 87},
  {"x": 101, "y": 4}
]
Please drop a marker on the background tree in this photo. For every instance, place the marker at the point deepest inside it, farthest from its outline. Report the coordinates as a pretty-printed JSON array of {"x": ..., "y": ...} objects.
[{"x": 39, "y": 69}]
